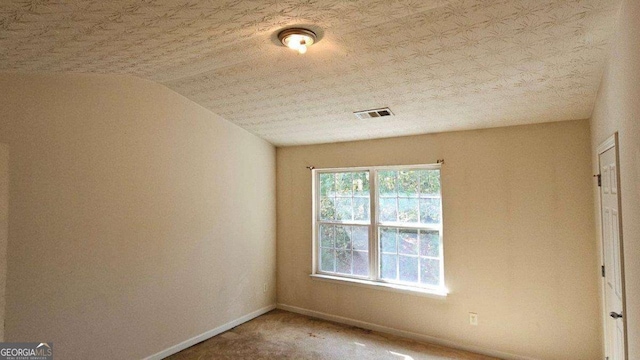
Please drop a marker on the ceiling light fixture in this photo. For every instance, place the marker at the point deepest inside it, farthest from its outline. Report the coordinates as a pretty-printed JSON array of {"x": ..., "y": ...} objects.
[{"x": 297, "y": 39}]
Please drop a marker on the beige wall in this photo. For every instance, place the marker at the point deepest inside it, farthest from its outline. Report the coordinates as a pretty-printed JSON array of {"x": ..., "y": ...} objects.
[
  {"x": 618, "y": 109},
  {"x": 137, "y": 219},
  {"x": 519, "y": 239},
  {"x": 4, "y": 227}
]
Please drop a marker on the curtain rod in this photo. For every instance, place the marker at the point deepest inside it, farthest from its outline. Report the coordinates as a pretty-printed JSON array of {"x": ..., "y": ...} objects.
[{"x": 439, "y": 161}]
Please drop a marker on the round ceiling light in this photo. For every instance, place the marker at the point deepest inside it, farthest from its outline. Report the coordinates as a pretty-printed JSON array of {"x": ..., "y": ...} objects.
[{"x": 297, "y": 39}]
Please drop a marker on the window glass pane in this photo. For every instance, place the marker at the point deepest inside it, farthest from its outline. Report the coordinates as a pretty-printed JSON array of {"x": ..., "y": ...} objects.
[
  {"x": 429, "y": 182},
  {"x": 388, "y": 267},
  {"x": 344, "y": 249},
  {"x": 408, "y": 210},
  {"x": 388, "y": 209},
  {"x": 344, "y": 196},
  {"x": 429, "y": 271},
  {"x": 327, "y": 185},
  {"x": 344, "y": 184},
  {"x": 361, "y": 263},
  {"x": 361, "y": 208},
  {"x": 388, "y": 240},
  {"x": 361, "y": 184},
  {"x": 408, "y": 183},
  {"x": 429, "y": 243},
  {"x": 327, "y": 208},
  {"x": 430, "y": 211},
  {"x": 408, "y": 268},
  {"x": 326, "y": 236},
  {"x": 343, "y": 237},
  {"x": 360, "y": 238},
  {"x": 344, "y": 209},
  {"x": 343, "y": 261},
  {"x": 327, "y": 260},
  {"x": 408, "y": 242},
  {"x": 387, "y": 183}
]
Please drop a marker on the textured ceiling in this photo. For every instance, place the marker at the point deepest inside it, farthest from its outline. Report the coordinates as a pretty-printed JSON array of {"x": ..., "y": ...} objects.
[{"x": 439, "y": 65}]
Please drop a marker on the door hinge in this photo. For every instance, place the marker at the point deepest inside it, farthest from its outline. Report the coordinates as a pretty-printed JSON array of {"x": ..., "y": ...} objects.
[
  {"x": 599, "y": 179},
  {"x": 602, "y": 269}
]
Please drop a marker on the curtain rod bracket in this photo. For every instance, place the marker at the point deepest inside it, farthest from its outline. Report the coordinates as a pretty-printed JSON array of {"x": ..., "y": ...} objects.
[
  {"x": 310, "y": 167},
  {"x": 440, "y": 161}
]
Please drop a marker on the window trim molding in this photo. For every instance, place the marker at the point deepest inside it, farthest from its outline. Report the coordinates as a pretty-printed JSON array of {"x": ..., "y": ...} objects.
[
  {"x": 435, "y": 293},
  {"x": 373, "y": 224}
]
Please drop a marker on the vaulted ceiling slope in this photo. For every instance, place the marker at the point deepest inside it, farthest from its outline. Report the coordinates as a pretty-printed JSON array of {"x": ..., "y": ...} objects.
[{"x": 440, "y": 65}]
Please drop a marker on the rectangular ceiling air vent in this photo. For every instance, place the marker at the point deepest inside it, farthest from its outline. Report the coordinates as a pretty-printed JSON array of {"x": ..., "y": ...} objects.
[{"x": 373, "y": 113}]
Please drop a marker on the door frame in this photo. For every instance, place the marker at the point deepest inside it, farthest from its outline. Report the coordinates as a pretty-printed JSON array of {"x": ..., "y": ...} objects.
[{"x": 612, "y": 142}]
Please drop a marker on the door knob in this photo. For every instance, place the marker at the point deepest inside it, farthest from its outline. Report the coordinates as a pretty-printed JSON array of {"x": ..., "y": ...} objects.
[{"x": 615, "y": 315}]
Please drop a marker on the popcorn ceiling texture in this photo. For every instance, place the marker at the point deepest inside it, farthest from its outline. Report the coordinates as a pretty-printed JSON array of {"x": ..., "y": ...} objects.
[{"x": 440, "y": 65}]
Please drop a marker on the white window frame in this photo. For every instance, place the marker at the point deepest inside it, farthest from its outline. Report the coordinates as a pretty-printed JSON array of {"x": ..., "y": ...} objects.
[{"x": 374, "y": 279}]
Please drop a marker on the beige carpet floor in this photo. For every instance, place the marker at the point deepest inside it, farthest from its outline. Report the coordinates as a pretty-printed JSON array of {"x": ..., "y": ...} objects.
[{"x": 285, "y": 335}]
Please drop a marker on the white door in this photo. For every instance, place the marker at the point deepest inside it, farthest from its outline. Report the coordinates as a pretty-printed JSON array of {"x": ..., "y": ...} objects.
[{"x": 612, "y": 253}]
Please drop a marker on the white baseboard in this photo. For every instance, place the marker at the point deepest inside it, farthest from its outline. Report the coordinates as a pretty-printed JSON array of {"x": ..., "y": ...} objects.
[
  {"x": 208, "y": 334},
  {"x": 402, "y": 333}
]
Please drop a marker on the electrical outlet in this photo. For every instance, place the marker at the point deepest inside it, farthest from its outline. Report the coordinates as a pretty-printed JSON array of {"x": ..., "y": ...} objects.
[
  {"x": 473, "y": 319},
  {"x": 264, "y": 287}
]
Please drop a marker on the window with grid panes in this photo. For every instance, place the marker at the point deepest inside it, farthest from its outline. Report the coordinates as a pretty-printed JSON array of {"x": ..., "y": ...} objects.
[{"x": 380, "y": 224}]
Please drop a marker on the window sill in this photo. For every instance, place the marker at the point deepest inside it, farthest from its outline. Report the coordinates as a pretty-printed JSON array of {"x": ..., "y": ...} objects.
[{"x": 440, "y": 294}]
